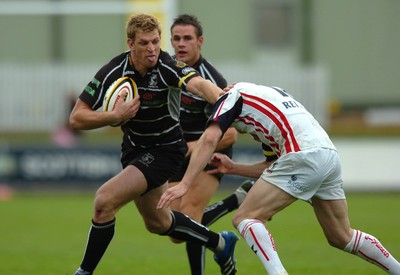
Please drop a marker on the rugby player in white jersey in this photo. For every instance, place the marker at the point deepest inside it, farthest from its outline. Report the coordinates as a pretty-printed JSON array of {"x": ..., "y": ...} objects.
[{"x": 307, "y": 168}]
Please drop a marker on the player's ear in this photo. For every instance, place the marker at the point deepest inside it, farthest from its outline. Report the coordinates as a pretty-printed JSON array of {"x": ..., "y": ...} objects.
[
  {"x": 200, "y": 41},
  {"x": 130, "y": 44}
]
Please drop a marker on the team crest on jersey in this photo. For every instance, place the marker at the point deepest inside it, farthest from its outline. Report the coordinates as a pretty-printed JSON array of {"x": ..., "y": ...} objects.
[
  {"x": 272, "y": 167},
  {"x": 180, "y": 64},
  {"x": 153, "y": 81}
]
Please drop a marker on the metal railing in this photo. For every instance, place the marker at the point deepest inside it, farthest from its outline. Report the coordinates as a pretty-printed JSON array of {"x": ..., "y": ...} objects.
[{"x": 34, "y": 97}]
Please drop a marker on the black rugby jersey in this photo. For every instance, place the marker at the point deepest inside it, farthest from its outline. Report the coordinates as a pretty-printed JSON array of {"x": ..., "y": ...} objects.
[
  {"x": 194, "y": 110},
  {"x": 157, "y": 121}
]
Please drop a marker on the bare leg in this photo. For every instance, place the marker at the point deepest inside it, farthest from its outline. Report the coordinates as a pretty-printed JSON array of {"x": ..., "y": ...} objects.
[
  {"x": 110, "y": 197},
  {"x": 333, "y": 217},
  {"x": 261, "y": 203}
]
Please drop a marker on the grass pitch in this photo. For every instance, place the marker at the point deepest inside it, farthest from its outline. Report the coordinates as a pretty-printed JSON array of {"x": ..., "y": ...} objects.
[{"x": 45, "y": 233}]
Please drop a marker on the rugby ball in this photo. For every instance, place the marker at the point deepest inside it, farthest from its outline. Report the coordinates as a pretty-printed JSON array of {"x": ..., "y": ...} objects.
[{"x": 114, "y": 94}]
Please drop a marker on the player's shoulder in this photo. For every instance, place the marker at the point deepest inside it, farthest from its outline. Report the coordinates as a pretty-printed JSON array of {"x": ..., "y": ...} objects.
[
  {"x": 114, "y": 64},
  {"x": 252, "y": 89},
  {"x": 208, "y": 71},
  {"x": 205, "y": 63},
  {"x": 165, "y": 57},
  {"x": 240, "y": 87},
  {"x": 231, "y": 98},
  {"x": 171, "y": 63},
  {"x": 246, "y": 91},
  {"x": 168, "y": 60},
  {"x": 245, "y": 86},
  {"x": 116, "y": 60}
]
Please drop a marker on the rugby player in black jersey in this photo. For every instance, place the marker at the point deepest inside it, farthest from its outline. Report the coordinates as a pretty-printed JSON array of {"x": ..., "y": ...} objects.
[
  {"x": 153, "y": 147},
  {"x": 187, "y": 40}
]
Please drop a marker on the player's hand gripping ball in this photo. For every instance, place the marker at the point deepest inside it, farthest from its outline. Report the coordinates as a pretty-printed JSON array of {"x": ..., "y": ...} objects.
[{"x": 114, "y": 94}]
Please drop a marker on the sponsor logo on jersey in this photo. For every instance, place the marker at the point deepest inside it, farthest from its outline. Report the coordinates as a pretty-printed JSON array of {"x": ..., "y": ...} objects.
[
  {"x": 187, "y": 70},
  {"x": 378, "y": 245},
  {"x": 254, "y": 250},
  {"x": 293, "y": 185},
  {"x": 187, "y": 100},
  {"x": 95, "y": 82},
  {"x": 148, "y": 95},
  {"x": 147, "y": 159},
  {"x": 89, "y": 88}
]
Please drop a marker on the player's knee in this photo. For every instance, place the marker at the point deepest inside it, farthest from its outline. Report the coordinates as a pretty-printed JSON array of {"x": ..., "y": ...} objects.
[
  {"x": 236, "y": 220},
  {"x": 103, "y": 202},
  {"x": 332, "y": 243},
  {"x": 155, "y": 227},
  {"x": 336, "y": 242},
  {"x": 239, "y": 216},
  {"x": 338, "y": 237}
]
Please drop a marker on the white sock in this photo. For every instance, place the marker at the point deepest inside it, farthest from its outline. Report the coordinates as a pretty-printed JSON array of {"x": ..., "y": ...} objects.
[
  {"x": 261, "y": 242},
  {"x": 370, "y": 249},
  {"x": 221, "y": 245}
]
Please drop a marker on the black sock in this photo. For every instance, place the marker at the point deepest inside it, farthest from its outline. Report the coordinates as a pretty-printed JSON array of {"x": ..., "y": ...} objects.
[
  {"x": 196, "y": 252},
  {"x": 100, "y": 236},
  {"x": 219, "y": 209},
  {"x": 185, "y": 229},
  {"x": 196, "y": 255}
]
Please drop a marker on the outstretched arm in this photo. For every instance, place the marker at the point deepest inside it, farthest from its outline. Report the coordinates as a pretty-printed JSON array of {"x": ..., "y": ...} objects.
[
  {"x": 229, "y": 138},
  {"x": 201, "y": 155},
  {"x": 225, "y": 165},
  {"x": 204, "y": 88}
]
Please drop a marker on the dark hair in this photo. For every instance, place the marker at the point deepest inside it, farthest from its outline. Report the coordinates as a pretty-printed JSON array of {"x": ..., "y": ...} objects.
[{"x": 188, "y": 19}]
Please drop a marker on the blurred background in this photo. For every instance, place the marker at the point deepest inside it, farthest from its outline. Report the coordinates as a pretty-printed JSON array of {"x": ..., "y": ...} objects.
[{"x": 339, "y": 58}]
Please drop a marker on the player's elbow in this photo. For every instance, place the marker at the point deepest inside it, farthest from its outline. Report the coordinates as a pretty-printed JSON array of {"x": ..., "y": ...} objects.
[
  {"x": 209, "y": 141},
  {"x": 74, "y": 123},
  {"x": 211, "y": 136}
]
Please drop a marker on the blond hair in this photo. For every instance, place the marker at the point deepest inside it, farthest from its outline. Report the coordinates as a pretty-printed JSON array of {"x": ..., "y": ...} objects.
[{"x": 142, "y": 22}]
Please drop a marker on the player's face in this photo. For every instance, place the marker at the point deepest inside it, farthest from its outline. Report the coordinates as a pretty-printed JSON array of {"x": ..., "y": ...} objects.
[
  {"x": 145, "y": 50},
  {"x": 186, "y": 44}
]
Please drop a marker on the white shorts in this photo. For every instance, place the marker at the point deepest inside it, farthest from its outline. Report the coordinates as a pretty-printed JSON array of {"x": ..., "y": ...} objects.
[{"x": 305, "y": 174}]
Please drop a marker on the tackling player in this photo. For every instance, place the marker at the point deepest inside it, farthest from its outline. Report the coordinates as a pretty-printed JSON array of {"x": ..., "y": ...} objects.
[{"x": 308, "y": 168}]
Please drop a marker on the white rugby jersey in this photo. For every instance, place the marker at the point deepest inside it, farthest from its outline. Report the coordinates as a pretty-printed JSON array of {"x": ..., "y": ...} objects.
[{"x": 271, "y": 116}]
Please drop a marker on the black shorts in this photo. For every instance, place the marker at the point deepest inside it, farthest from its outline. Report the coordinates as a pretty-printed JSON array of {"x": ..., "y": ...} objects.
[
  {"x": 179, "y": 175},
  {"x": 157, "y": 163}
]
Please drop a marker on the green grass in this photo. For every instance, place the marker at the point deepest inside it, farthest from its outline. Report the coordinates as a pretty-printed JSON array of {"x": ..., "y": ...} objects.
[{"x": 45, "y": 233}]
